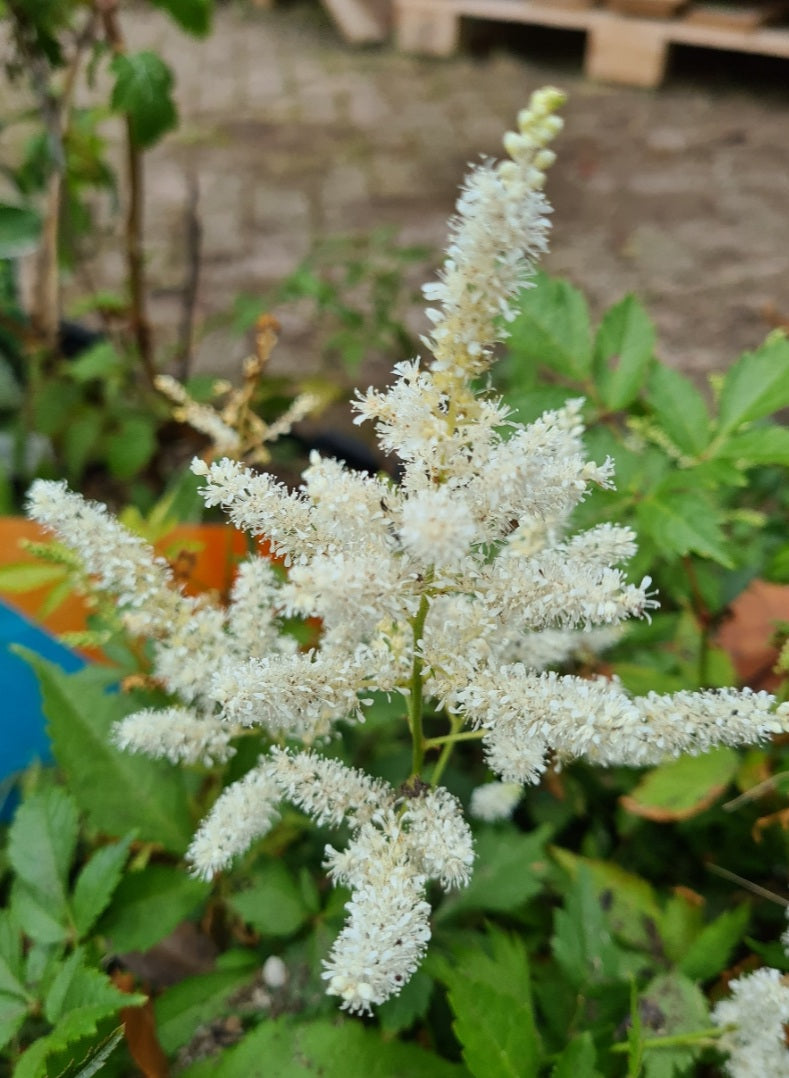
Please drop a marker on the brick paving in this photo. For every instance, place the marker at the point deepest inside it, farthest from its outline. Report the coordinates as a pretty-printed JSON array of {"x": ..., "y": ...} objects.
[{"x": 680, "y": 194}]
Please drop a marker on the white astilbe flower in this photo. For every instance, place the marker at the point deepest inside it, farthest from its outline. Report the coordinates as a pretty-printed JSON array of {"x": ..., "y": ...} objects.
[
  {"x": 244, "y": 812},
  {"x": 527, "y": 714},
  {"x": 201, "y": 417},
  {"x": 301, "y": 694},
  {"x": 495, "y": 800},
  {"x": 118, "y": 561},
  {"x": 327, "y": 790},
  {"x": 388, "y": 925},
  {"x": 758, "y": 1008},
  {"x": 439, "y": 837},
  {"x": 437, "y": 528},
  {"x": 176, "y": 734},
  {"x": 251, "y": 615},
  {"x": 501, "y": 225}
]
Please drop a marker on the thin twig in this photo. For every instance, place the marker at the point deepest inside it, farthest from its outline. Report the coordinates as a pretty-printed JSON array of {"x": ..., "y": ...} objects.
[
  {"x": 749, "y": 885},
  {"x": 186, "y": 330}
]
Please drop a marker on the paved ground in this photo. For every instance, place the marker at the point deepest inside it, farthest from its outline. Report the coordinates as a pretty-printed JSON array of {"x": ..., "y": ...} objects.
[{"x": 680, "y": 194}]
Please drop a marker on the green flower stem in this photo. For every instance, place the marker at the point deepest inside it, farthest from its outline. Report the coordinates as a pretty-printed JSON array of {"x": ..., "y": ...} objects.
[
  {"x": 451, "y": 739},
  {"x": 415, "y": 695},
  {"x": 448, "y": 744},
  {"x": 703, "y": 1037}
]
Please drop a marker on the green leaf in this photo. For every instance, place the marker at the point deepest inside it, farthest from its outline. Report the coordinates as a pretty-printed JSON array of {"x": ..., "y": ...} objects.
[
  {"x": 490, "y": 996},
  {"x": 142, "y": 90},
  {"x": 173, "y": 894},
  {"x": 680, "y": 523},
  {"x": 101, "y": 361},
  {"x": 37, "y": 918},
  {"x": 759, "y": 445},
  {"x": 97, "y": 882},
  {"x": 121, "y": 792},
  {"x": 81, "y": 440},
  {"x": 680, "y": 409},
  {"x": 98, "y": 1056},
  {"x": 41, "y": 845},
  {"x": 756, "y": 386},
  {"x": 669, "y": 1006},
  {"x": 631, "y": 905},
  {"x": 682, "y": 788},
  {"x": 20, "y": 230},
  {"x": 552, "y": 328},
  {"x": 77, "y": 986},
  {"x": 710, "y": 952},
  {"x": 577, "y": 1060},
  {"x": 330, "y": 1049},
  {"x": 13, "y": 1012},
  {"x": 508, "y": 871},
  {"x": 74, "y": 1025},
  {"x": 622, "y": 353},
  {"x": 400, "y": 1012},
  {"x": 197, "y": 1000},
  {"x": 273, "y": 904},
  {"x": 582, "y": 942},
  {"x": 194, "y": 16},
  {"x": 23, "y": 576},
  {"x": 10, "y": 955},
  {"x": 131, "y": 447}
]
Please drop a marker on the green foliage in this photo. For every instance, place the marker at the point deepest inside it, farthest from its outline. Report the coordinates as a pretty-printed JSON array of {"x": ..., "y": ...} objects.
[
  {"x": 117, "y": 790},
  {"x": 52, "y": 993},
  {"x": 490, "y": 996},
  {"x": 142, "y": 92}
]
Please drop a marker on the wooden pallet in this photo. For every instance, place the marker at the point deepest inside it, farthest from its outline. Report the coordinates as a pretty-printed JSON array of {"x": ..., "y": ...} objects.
[{"x": 619, "y": 48}]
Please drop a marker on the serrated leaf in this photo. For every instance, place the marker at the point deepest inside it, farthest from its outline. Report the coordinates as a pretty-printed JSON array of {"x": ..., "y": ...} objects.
[
  {"x": 756, "y": 386},
  {"x": 709, "y": 954},
  {"x": 508, "y": 871},
  {"x": 577, "y": 1060},
  {"x": 552, "y": 328},
  {"x": 490, "y": 997},
  {"x": 10, "y": 955},
  {"x": 194, "y": 16},
  {"x": 622, "y": 353},
  {"x": 400, "y": 1012},
  {"x": 197, "y": 1000},
  {"x": 671, "y": 1005},
  {"x": 331, "y": 1049},
  {"x": 760, "y": 445},
  {"x": 74, "y": 1025},
  {"x": 121, "y": 792},
  {"x": 20, "y": 230},
  {"x": 631, "y": 906},
  {"x": 273, "y": 903},
  {"x": 100, "y": 361},
  {"x": 13, "y": 1012},
  {"x": 97, "y": 882},
  {"x": 77, "y": 986},
  {"x": 172, "y": 893},
  {"x": 143, "y": 90},
  {"x": 41, "y": 844},
  {"x": 682, "y": 788},
  {"x": 131, "y": 446},
  {"x": 96, "y": 1059},
  {"x": 680, "y": 409},
  {"x": 582, "y": 942},
  {"x": 681, "y": 523},
  {"x": 37, "y": 919}
]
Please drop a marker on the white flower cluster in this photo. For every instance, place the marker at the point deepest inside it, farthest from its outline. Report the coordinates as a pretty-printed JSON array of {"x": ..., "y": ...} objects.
[
  {"x": 755, "y": 1018},
  {"x": 456, "y": 588}
]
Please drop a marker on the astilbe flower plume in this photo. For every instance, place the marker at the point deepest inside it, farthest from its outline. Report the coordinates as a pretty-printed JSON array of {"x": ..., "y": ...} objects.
[{"x": 457, "y": 587}]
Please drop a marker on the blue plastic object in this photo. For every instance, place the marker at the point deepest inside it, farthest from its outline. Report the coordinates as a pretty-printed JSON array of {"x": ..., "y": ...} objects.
[{"x": 23, "y": 736}]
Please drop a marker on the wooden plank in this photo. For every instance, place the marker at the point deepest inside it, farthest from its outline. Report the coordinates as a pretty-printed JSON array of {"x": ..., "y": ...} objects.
[
  {"x": 628, "y": 51},
  {"x": 649, "y": 9},
  {"x": 736, "y": 16},
  {"x": 360, "y": 22},
  {"x": 620, "y": 48}
]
